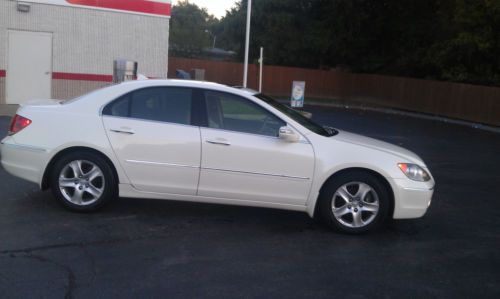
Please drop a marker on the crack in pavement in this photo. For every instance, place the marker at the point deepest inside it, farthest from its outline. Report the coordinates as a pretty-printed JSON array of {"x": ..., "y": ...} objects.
[
  {"x": 92, "y": 264},
  {"x": 155, "y": 234},
  {"x": 69, "y": 245},
  {"x": 71, "y": 285}
]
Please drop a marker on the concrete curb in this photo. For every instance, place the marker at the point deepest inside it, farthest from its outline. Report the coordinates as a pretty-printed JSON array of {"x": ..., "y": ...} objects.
[{"x": 469, "y": 124}]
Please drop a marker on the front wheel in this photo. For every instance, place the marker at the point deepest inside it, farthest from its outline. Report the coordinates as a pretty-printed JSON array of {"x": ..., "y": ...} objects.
[
  {"x": 82, "y": 181},
  {"x": 356, "y": 202}
]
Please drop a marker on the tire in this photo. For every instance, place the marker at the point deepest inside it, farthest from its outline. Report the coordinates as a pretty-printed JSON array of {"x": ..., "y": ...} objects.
[
  {"x": 355, "y": 202},
  {"x": 82, "y": 181}
]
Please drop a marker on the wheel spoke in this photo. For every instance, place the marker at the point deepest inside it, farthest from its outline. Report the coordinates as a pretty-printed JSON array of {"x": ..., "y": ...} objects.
[
  {"x": 67, "y": 182},
  {"x": 94, "y": 173},
  {"x": 341, "y": 211},
  {"x": 363, "y": 190},
  {"x": 77, "y": 197},
  {"x": 344, "y": 194},
  {"x": 76, "y": 166},
  {"x": 370, "y": 207},
  {"x": 96, "y": 193},
  {"x": 356, "y": 219}
]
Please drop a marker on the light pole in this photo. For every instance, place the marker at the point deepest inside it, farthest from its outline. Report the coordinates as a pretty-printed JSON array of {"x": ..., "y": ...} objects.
[
  {"x": 247, "y": 41},
  {"x": 214, "y": 36}
]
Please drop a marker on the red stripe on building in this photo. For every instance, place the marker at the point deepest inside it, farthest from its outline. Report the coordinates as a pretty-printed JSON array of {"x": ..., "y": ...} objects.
[
  {"x": 82, "y": 77},
  {"x": 3, "y": 73},
  {"x": 143, "y": 6}
]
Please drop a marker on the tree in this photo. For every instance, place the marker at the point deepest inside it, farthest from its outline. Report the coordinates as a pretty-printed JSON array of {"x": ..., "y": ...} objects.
[
  {"x": 188, "y": 29},
  {"x": 456, "y": 40}
]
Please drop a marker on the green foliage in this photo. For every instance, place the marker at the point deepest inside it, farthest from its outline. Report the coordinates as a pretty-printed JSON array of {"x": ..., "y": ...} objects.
[
  {"x": 456, "y": 40},
  {"x": 188, "y": 29}
]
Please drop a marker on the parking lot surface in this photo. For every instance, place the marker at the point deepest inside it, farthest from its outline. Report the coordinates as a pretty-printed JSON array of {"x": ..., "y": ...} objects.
[{"x": 164, "y": 249}]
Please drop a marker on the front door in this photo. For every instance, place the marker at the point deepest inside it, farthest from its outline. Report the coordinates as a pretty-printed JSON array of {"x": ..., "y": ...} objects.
[
  {"x": 151, "y": 134},
  {"x": 243, "y": 159},
  {"x": 29, "y": 66}
]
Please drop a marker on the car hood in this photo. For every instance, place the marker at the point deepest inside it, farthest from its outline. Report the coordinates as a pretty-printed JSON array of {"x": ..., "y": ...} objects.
[{"x": 379, "y": 145}]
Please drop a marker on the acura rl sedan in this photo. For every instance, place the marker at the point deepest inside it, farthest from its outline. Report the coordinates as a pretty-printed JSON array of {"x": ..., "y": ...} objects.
[{"x": 205, "y": 142}]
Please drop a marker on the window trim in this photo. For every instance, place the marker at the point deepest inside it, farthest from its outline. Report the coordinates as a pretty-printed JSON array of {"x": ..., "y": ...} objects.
[{"x": 152, "y": 121}]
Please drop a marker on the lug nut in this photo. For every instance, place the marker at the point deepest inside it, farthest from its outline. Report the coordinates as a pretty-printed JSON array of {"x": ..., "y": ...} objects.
[
  {"x": 349, "y": 207},
  {"x": 355, "y": 210}
]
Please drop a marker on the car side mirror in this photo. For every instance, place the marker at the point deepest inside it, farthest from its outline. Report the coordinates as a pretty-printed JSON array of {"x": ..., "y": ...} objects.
[{"x": 288, "y": 135}]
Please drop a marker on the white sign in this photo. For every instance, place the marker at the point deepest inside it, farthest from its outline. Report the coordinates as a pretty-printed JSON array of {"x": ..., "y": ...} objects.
[{"x": 298, "y": 92}]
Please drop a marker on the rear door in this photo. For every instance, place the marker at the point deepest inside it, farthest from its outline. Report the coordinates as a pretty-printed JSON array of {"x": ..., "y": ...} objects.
[
  {"x": 243, "y": 158},
  {"x": 151, "y": 134}
]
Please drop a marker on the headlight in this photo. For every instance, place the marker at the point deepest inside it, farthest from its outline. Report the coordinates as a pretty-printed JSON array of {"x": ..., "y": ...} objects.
[{"x": 414, "y": 172}]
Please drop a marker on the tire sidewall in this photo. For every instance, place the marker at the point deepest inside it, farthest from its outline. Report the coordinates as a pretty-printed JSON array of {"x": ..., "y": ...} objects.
[
  {"x": 109, "y": 187},
  {"x": 326, "y": 197}
]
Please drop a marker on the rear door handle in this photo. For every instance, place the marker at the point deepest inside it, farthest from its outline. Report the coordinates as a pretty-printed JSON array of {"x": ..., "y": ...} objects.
[
  {"x": 123, "y": 130},
  {"x": 220, "y": 141}
]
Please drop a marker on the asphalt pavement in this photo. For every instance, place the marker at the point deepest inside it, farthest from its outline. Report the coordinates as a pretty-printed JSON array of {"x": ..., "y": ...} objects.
[{"x": 165, "y": 249}]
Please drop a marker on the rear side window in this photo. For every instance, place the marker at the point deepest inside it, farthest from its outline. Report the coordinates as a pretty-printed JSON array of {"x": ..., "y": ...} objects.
[{"x": 166, "y": 104}]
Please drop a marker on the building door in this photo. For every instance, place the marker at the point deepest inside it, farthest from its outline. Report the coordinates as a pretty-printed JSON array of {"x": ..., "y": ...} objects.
[{"x": 29, "y": 66}]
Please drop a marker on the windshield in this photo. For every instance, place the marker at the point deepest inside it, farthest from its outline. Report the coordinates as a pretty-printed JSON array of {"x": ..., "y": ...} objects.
[{"x": 298, "y": 117}]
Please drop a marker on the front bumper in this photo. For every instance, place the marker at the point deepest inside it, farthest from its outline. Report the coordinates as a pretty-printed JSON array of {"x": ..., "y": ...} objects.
[
  {"x": 411, "y": 199},
  {"x": 23, "y": 161}
]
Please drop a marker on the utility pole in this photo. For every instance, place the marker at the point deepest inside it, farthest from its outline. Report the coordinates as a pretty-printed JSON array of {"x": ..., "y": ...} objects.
[
  {"x": 261, "y": 63},
  {"x": 247, "y": 42}
]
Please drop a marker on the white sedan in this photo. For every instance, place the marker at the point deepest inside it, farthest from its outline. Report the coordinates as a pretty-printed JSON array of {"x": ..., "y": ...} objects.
[{"x": 205, "y": 142}]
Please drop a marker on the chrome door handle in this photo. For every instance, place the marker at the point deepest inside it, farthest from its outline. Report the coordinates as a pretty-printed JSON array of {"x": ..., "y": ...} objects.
[
  {"x": 123, "y": 131},
  {"x": 219, "y": 141}
]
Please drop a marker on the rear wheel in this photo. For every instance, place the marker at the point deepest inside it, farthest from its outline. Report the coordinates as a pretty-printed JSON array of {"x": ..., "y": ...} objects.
[
  {"x": 356, "y": 202},
  {"x": 82, "y": 181}
]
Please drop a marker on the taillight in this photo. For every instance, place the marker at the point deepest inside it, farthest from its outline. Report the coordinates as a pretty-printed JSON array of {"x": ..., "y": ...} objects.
[{"x": 18, "y": 123}]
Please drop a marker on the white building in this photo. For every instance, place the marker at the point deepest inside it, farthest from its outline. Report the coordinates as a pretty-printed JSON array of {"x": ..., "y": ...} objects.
[{"x": 63, "y": 48}]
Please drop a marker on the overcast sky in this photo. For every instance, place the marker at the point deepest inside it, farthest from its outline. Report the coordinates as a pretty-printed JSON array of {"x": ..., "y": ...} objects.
[{"x": 215, "y": 7}]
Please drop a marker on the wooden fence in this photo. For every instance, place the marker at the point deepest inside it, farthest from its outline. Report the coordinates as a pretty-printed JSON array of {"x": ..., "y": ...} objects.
[{"x": 461, "y": 101}]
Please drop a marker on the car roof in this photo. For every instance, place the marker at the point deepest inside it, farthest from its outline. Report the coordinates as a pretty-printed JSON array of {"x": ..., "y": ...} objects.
[{"x": 189, "y": 83}]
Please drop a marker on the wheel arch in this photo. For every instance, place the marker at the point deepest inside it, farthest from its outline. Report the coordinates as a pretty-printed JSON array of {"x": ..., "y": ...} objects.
[
  {"x": 65, "y": 151},
  {"x": 343, "y": 171}
]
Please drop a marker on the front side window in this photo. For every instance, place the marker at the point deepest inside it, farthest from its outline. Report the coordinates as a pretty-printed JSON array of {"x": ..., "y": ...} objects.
[
  {"x": 298, "y": 117},
  {"x": 230, "y": 112},
  {"x": 166, "y": 104}
]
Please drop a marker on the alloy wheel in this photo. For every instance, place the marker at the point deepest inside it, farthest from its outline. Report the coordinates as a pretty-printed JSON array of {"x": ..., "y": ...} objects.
[
  {"x": 355, "y": 204},
  {"x": 81, "y": 182}
]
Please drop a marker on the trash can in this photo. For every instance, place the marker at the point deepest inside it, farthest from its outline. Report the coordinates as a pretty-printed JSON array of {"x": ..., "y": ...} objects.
[
  {"x": 124, "y": 70},
  {"x": 198, "y": 74}
]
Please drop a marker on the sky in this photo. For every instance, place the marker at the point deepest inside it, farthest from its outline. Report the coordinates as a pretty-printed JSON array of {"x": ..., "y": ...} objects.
[{"x": 215, "y": 7}]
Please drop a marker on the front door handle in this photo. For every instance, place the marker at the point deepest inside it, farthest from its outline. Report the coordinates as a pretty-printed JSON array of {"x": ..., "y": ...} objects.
[
  {"x": 220, "y": 141},
  {"x": 123, "y": 130}
]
